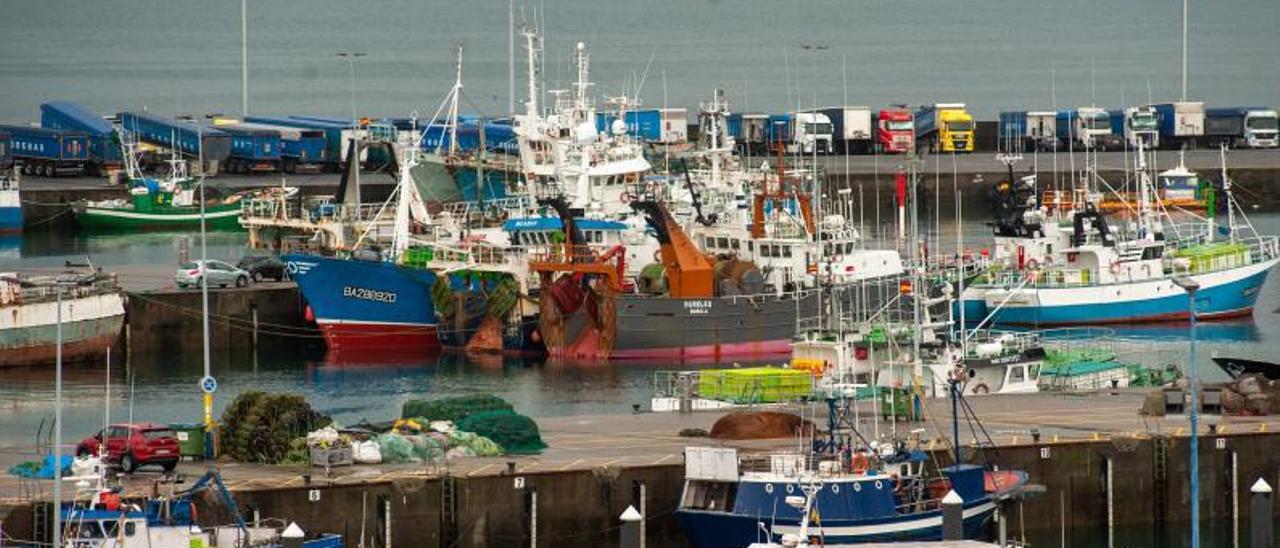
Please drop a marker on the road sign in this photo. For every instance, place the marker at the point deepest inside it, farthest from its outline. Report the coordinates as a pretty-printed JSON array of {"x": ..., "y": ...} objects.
[{"x": 209, "y": 385}]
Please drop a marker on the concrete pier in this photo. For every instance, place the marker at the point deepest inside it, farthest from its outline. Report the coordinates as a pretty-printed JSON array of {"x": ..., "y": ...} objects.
[
  {"x": 585, "y": 480},
  {"x": 265, "y": 314}
]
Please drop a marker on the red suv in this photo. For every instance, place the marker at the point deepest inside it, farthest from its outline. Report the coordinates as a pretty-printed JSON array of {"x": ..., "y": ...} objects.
[{"x": 134, "y": 445}]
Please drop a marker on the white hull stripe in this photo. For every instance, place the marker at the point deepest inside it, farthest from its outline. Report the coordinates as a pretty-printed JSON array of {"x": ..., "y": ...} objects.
[
  {"x": 162, "y": 216},
  {"x": 882, "y": 528},
  {"x": 327, "y": 321}
]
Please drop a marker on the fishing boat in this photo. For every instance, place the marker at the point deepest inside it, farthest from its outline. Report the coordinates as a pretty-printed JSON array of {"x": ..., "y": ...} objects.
[
  {"x": 1244, "y": 366},
  {"x": 166, "y": 203},
  {"x": 846, "y": 490},
  {"x": 92, "y": 317},
  {"x": 1085, "y": 271}
]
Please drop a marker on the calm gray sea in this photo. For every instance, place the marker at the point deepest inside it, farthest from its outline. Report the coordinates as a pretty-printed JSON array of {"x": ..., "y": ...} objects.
[{"x": 183, "y": 56}]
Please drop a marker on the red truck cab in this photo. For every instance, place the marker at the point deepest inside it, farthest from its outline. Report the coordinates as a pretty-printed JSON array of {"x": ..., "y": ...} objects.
[
  {"x": 895, "y": 131},
  {"x": 134, "y": 445}
]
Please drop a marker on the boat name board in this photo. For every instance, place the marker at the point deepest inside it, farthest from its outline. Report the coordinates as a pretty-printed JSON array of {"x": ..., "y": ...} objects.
[
  {"x": 697, "y": 308},
  {"x": 367, "y": 294}
]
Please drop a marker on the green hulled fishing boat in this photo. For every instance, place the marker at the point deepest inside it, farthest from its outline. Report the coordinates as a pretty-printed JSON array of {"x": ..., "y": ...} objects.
[{"x": 168, "y": 203}]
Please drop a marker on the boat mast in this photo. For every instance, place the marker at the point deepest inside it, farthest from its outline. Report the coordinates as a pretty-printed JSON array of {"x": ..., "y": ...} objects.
[
  {"x": 533, "y": 48},
  {"x": 1226, "y": 195},
  {"x": 453, "y": 106}
]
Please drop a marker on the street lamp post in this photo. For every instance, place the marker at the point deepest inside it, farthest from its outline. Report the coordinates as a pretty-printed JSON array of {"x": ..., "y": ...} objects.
[
  {"x": 244, "y": 58},
  {"x": 1193, "y": 381},
  {"x": 57, "y": 428},
  {"x": 204, "y": 272}
]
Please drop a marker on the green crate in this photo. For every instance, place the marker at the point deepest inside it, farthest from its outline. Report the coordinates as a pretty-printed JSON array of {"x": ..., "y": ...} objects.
[
  {"x": 895, "y": 402},
  {"x": 190, "y": 439}
]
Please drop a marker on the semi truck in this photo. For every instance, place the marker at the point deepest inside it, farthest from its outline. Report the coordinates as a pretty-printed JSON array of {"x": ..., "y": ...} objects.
[
  {"x": 105, "y": 152},
  {"x": 747, "y": 130},
  {"x": 895, "y": 131},
  {"x": 301, "y": 150},
  {"x": 1253, "y": 127},
  {"x": 944, "y": 127},
  {"x": 1086, "y": 128},
  {"x": 189, "y": 138},
  {"x": 852, "y": 131},
  {"x": 1136, "y": 125},
  {"x": 48, "y": 152},
  {"x": 799, "y": 132},
  {"x": 365, "y": 129},
  {"x": 1027, "y": 130},
  {"x": 1181, "y": 124},
  {"x": 668, "y": 126}
]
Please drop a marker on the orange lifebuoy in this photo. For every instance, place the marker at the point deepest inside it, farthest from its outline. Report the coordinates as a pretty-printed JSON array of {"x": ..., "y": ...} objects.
[{"x": 860, "y": 463}]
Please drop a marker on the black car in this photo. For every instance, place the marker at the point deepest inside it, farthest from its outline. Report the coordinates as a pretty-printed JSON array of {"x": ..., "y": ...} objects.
[{"x": 262, "y": 267}]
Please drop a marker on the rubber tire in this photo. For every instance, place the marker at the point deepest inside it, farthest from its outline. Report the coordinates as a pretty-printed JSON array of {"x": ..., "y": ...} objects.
[
  {"x": 169, "y": 466},
  {"x": 128, "y": 463},
  {"x": 242, "y": 281},
  {"x": 257, "y": 277},
  {"x": 83, "y": 452}
]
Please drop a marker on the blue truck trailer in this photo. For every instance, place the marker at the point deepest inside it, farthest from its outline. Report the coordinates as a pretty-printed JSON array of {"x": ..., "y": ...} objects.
[
  {"x": 498, "y": 137},
  {"x": 334, "y": 152},
  {"x": 190, "y": 138},
  {"x": 747, "y": 130},
  {"x": 1253, "y": 127},
  {"x": 105, "y": 152},
  {"x": 301, "y": 150},
  {"x": 252, "y": 150},
  {"x": 668, "y": 126},
  {"x": 1181, "y": 124},
  {"x": 377, "y": 132},
  {"x": 48, "y": 152}
]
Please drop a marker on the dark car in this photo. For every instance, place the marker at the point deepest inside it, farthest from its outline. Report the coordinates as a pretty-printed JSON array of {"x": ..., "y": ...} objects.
[
  {"x": 264, "y": 267},
  {"x": 134, "y": 445}
]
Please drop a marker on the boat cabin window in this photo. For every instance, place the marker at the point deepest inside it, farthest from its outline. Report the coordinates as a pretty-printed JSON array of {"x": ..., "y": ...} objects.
[
  {"x": 1017, "y": 374},
  {"x": 85, "y": 529},
  {"x": 708, "y": 242},
  {"x": 710, "y": 495},
  {"x": 786, "y": 251},
  {"x": 130, "y": 528},
  {"x": 734, "y": 243},
  {"x": 722, "y": 242},
  {"x": 1153, "y": 252}
]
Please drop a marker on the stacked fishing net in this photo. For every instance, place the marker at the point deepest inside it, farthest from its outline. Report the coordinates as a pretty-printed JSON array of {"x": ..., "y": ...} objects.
[
  {"x": 451, "y": 409},
  {"x": 262, "y": 427},
  {"x": 516, "y": 434}
]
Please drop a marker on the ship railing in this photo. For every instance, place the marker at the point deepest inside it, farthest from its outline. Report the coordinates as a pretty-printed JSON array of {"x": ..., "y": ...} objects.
[
  {"x": 1015, "y": 341},
  {"x": 1047, "y": 278}
]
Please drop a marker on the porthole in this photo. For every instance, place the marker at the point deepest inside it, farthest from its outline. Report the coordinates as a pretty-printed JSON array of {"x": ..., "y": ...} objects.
[
  {"x": 857, "y": 487},
  {"x": 768, "y": 488},
  {"x": 790, "y": 488},
  {"x": 835, "y": 488},
  {"x": 879, "y": 485}
]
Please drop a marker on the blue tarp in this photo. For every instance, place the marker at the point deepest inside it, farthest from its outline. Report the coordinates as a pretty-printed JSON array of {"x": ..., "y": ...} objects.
[{"x": 28, "y": 470}]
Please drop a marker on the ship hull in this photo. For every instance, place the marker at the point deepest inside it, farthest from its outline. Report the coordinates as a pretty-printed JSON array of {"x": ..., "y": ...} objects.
[
  {"x": 216, "y": 218},
  {"x": 10, "y": 211},
  {"x": 90, "y": 325},
  {"x": 368, "y": 306},
  {"x": 1222, "y": 294},
  {"x": 727, "y": 530},
  {"x": 708, "y": 329}
]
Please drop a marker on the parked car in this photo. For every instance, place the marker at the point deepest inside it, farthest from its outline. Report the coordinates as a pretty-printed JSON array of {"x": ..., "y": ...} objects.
[
  {"x": 262, "y": 267},
  {"x": 134, "y": 445},
  {"x": 220, "y": 274}
]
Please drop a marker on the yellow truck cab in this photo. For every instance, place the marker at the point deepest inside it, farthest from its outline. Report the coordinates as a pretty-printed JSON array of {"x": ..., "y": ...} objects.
[{"x": 944, "y": 127}]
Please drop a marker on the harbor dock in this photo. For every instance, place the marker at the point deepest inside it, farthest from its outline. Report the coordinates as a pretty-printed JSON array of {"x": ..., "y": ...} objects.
[{"x": 1100, "y": 462}]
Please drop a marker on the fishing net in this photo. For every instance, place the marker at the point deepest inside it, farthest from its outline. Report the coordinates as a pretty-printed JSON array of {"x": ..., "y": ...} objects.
[
  {"x": 396, "y": 449},
  {"x": 452, "y": 409},
  {"x": 473, "y": 445},
  {"x": 515, "y": 433},
  {"x": 260, "y": 427}
]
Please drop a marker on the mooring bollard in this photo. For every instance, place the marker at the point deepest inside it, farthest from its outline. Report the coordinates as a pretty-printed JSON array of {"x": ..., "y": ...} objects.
[
  {"x": 952, "y": 516},
  {"x": 1262, "y": 529},
  {"x": 630, "y": 528}
]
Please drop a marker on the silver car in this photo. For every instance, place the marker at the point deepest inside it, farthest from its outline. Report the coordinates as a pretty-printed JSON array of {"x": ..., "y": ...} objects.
[{"x": 220, "y": 274}]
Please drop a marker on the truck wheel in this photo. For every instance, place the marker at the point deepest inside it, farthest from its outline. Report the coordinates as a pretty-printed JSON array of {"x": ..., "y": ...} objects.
[
  {"x": 169, "y": 465},
  {"x": 128, "y": 463},
  {"x": 242, "y": 281},
  {"x": 257, "y": 277}
]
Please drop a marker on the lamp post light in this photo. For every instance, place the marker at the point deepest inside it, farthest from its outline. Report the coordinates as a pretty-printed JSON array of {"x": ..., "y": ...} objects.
[{"x": 1193, "y": 381}]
